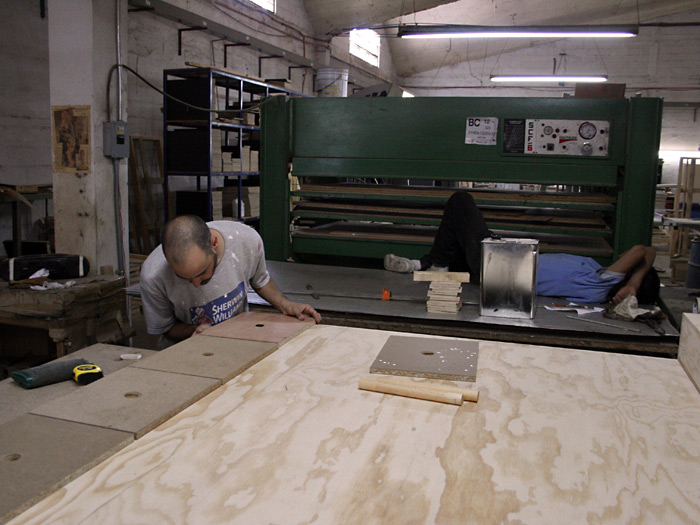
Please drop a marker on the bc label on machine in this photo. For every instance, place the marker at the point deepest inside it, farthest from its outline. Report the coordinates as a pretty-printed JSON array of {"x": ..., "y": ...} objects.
[{"x": 482, "y": 131}]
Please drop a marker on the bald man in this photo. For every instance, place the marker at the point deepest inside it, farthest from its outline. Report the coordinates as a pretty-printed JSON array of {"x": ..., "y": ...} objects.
[{"x": 197, "y": 277}]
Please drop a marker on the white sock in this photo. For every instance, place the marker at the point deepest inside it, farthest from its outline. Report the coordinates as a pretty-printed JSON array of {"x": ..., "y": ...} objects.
[{"x": 416, "y": 263}]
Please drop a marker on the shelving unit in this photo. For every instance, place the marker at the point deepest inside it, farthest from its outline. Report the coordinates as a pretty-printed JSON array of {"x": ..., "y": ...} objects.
[{"x": 188, "y": 133}]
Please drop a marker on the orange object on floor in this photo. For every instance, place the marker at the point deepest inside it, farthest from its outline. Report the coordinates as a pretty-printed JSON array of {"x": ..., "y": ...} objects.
[{"x": 386, "y": 294}]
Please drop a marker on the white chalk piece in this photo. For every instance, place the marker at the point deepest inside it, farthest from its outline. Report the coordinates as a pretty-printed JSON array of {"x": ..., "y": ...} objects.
[{"x": 130, "y": 357}]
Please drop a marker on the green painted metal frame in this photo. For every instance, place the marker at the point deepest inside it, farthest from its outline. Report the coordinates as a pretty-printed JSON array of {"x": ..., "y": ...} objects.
[{"x": 423, "y": 138}]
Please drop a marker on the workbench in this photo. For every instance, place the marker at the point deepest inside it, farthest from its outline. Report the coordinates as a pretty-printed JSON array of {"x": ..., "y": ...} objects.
[
  {"x": 557, "y": 436},
  {"x": 52, "y": 323}
]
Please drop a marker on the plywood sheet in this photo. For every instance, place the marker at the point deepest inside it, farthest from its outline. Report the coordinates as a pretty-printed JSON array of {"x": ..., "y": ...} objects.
[
  {"x": 40, "y": 454},
  {"x": 219, "y": 358},
  {"x": 558, "y": 435},
  {"x": 133, "y": 400},
  {"x": 689, "y": 347},
  {"x": 15, "y": 400},
  {"x": 256, "y": 326},
  {"x": 453, "y": 359}
]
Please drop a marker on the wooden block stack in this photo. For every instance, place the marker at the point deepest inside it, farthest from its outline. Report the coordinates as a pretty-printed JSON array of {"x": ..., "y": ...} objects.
[
  {"x": 216, "y": 156},
  {"x": 444, "y": 298},
  {"x": 445, "y": 291},
  {"x": 217, "y": 205}
]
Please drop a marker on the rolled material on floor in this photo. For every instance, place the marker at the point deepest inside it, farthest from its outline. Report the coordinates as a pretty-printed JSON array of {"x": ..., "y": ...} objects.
[{"x": 415, "y": 390}]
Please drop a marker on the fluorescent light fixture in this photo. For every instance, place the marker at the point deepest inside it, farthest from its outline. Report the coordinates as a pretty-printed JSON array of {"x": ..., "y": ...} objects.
[
  {"x": 465, "y": 31},
  {"x": 549, "y": 78}
]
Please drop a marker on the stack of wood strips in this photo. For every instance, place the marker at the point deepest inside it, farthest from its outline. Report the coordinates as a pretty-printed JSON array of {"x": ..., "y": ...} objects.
[
  {"x": 135, "y": 262},
  {"x": 444, "y": 298},
  {"x": 445, "y": 291}
]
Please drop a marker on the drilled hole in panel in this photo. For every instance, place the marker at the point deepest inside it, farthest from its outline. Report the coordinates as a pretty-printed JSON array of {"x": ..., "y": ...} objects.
[
  {"x": 207, "y": 354},
  {"x": 12, "y": 457},
  {"x": 259, "y": 325},
  {"x": 132, "y": 394}
]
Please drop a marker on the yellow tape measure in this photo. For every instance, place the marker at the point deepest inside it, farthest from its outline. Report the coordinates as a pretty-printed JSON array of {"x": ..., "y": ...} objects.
[{"x": 86, "y": 374}]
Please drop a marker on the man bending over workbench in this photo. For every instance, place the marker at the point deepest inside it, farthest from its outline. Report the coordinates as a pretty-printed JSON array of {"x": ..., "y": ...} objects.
[
  {"x": 197, "y": 277},
  {"x": 457, "y": 248}
]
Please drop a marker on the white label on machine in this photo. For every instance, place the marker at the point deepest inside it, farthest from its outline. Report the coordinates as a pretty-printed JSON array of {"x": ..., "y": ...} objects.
[
  {"x": 586, "y": 138},
  {"x": 482, "y": 131}
]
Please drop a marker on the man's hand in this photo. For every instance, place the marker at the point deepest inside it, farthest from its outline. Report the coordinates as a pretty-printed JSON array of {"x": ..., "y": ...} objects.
[
  {"x": 300, "y": 311},
  {"x": 200, "y": 328},
  {"x": 276, "y": 298},
  {"x": 623, "y": 292}
]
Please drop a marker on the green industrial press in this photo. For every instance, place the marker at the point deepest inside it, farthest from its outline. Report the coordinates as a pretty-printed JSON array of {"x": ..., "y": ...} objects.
[{"x": 363, "y": 177}]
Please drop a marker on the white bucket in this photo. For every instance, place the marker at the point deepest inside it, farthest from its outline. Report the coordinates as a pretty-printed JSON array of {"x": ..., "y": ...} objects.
[{"x": 332, "y": 82}]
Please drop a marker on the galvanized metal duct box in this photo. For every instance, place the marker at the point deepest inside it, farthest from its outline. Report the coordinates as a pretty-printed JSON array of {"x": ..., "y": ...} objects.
[{"x": 508, "y": 277}]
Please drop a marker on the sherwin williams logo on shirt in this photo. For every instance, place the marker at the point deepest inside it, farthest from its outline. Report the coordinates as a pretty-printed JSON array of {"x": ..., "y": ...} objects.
[{"x": 219, "y": 309}]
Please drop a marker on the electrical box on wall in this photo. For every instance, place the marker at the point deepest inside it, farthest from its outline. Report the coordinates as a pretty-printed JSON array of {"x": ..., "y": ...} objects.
[
  {"x": 115, "y": 136},
  {"x": 584, "y": 138}
]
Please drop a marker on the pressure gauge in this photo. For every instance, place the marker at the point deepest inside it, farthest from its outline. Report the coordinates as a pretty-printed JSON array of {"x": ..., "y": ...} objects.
[
  {"x": 587, "y": 130},
  {"x": 548, "y": 130}
]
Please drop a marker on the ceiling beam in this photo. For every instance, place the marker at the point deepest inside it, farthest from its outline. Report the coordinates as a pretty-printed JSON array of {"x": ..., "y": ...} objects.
[{"x": 188, "y": 18}]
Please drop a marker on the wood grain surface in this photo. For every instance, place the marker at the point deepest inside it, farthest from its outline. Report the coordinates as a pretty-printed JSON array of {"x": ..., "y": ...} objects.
[{"x": 558, "y": 436}]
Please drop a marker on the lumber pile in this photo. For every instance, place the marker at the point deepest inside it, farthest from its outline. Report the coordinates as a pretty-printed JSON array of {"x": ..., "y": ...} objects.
[{"x": 445, "y": 290}]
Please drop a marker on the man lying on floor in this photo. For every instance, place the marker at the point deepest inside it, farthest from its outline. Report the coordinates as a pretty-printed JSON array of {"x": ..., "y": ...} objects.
[{"x": 457, "y": 248}]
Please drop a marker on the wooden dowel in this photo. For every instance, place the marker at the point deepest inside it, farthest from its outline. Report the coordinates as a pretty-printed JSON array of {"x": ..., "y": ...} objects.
[
  {"x": 411, "y": 390},
  {"x": 467, "y": 394}
]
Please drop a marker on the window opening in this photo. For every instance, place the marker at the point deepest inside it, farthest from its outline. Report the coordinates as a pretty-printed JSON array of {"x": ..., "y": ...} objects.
[{"x": 364, "y": 44}]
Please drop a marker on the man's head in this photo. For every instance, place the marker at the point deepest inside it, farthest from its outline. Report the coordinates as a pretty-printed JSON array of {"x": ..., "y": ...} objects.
[{"x": 188, "y": 246}]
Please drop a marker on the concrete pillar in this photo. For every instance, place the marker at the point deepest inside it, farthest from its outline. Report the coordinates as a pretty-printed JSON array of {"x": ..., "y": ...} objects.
[{"x": 82, "y": 48}]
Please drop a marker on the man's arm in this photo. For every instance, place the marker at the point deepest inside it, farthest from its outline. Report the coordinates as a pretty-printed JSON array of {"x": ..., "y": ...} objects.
[
  {"x": 276, "y": 298},
  {"x": 638, "y": 260},
  {"x": 180, "y": 331}
]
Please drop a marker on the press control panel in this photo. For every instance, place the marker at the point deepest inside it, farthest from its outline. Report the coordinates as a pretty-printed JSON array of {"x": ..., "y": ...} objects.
[{"x": 581, "y": 138}]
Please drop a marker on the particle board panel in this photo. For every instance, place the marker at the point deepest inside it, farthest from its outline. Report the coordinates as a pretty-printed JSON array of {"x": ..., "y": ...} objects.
[
  {"x": 133, "y": 400},
  {"x": 259, "y": 326},
  {"x": 15, "y": 400},
  {"x": 558, "y": 435},
  {"x": 452, "y": 359},
  {"x": 689, "y": 347},
  {"x": 38, "y": 455},
  {"x": 219, "y": 358}
]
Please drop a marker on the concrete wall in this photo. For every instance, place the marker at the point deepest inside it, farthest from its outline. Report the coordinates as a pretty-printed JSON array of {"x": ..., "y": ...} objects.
[
  {"x": 153, "y": 47},
  {"x": 660, "y": 62},
  {"x": 82, "y": 48},
  {"x": 25, "y": 148}
]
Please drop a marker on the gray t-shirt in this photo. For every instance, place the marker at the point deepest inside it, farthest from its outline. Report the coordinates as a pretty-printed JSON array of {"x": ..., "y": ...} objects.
[{"x": 167, "y": 298}]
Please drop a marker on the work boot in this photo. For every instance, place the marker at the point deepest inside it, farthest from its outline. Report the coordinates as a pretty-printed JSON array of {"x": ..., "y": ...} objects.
[{"x": 394, "y": 263}]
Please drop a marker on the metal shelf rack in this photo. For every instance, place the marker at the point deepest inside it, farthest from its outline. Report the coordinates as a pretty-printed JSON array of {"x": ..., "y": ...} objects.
[{"x": 201, "y": 87}]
